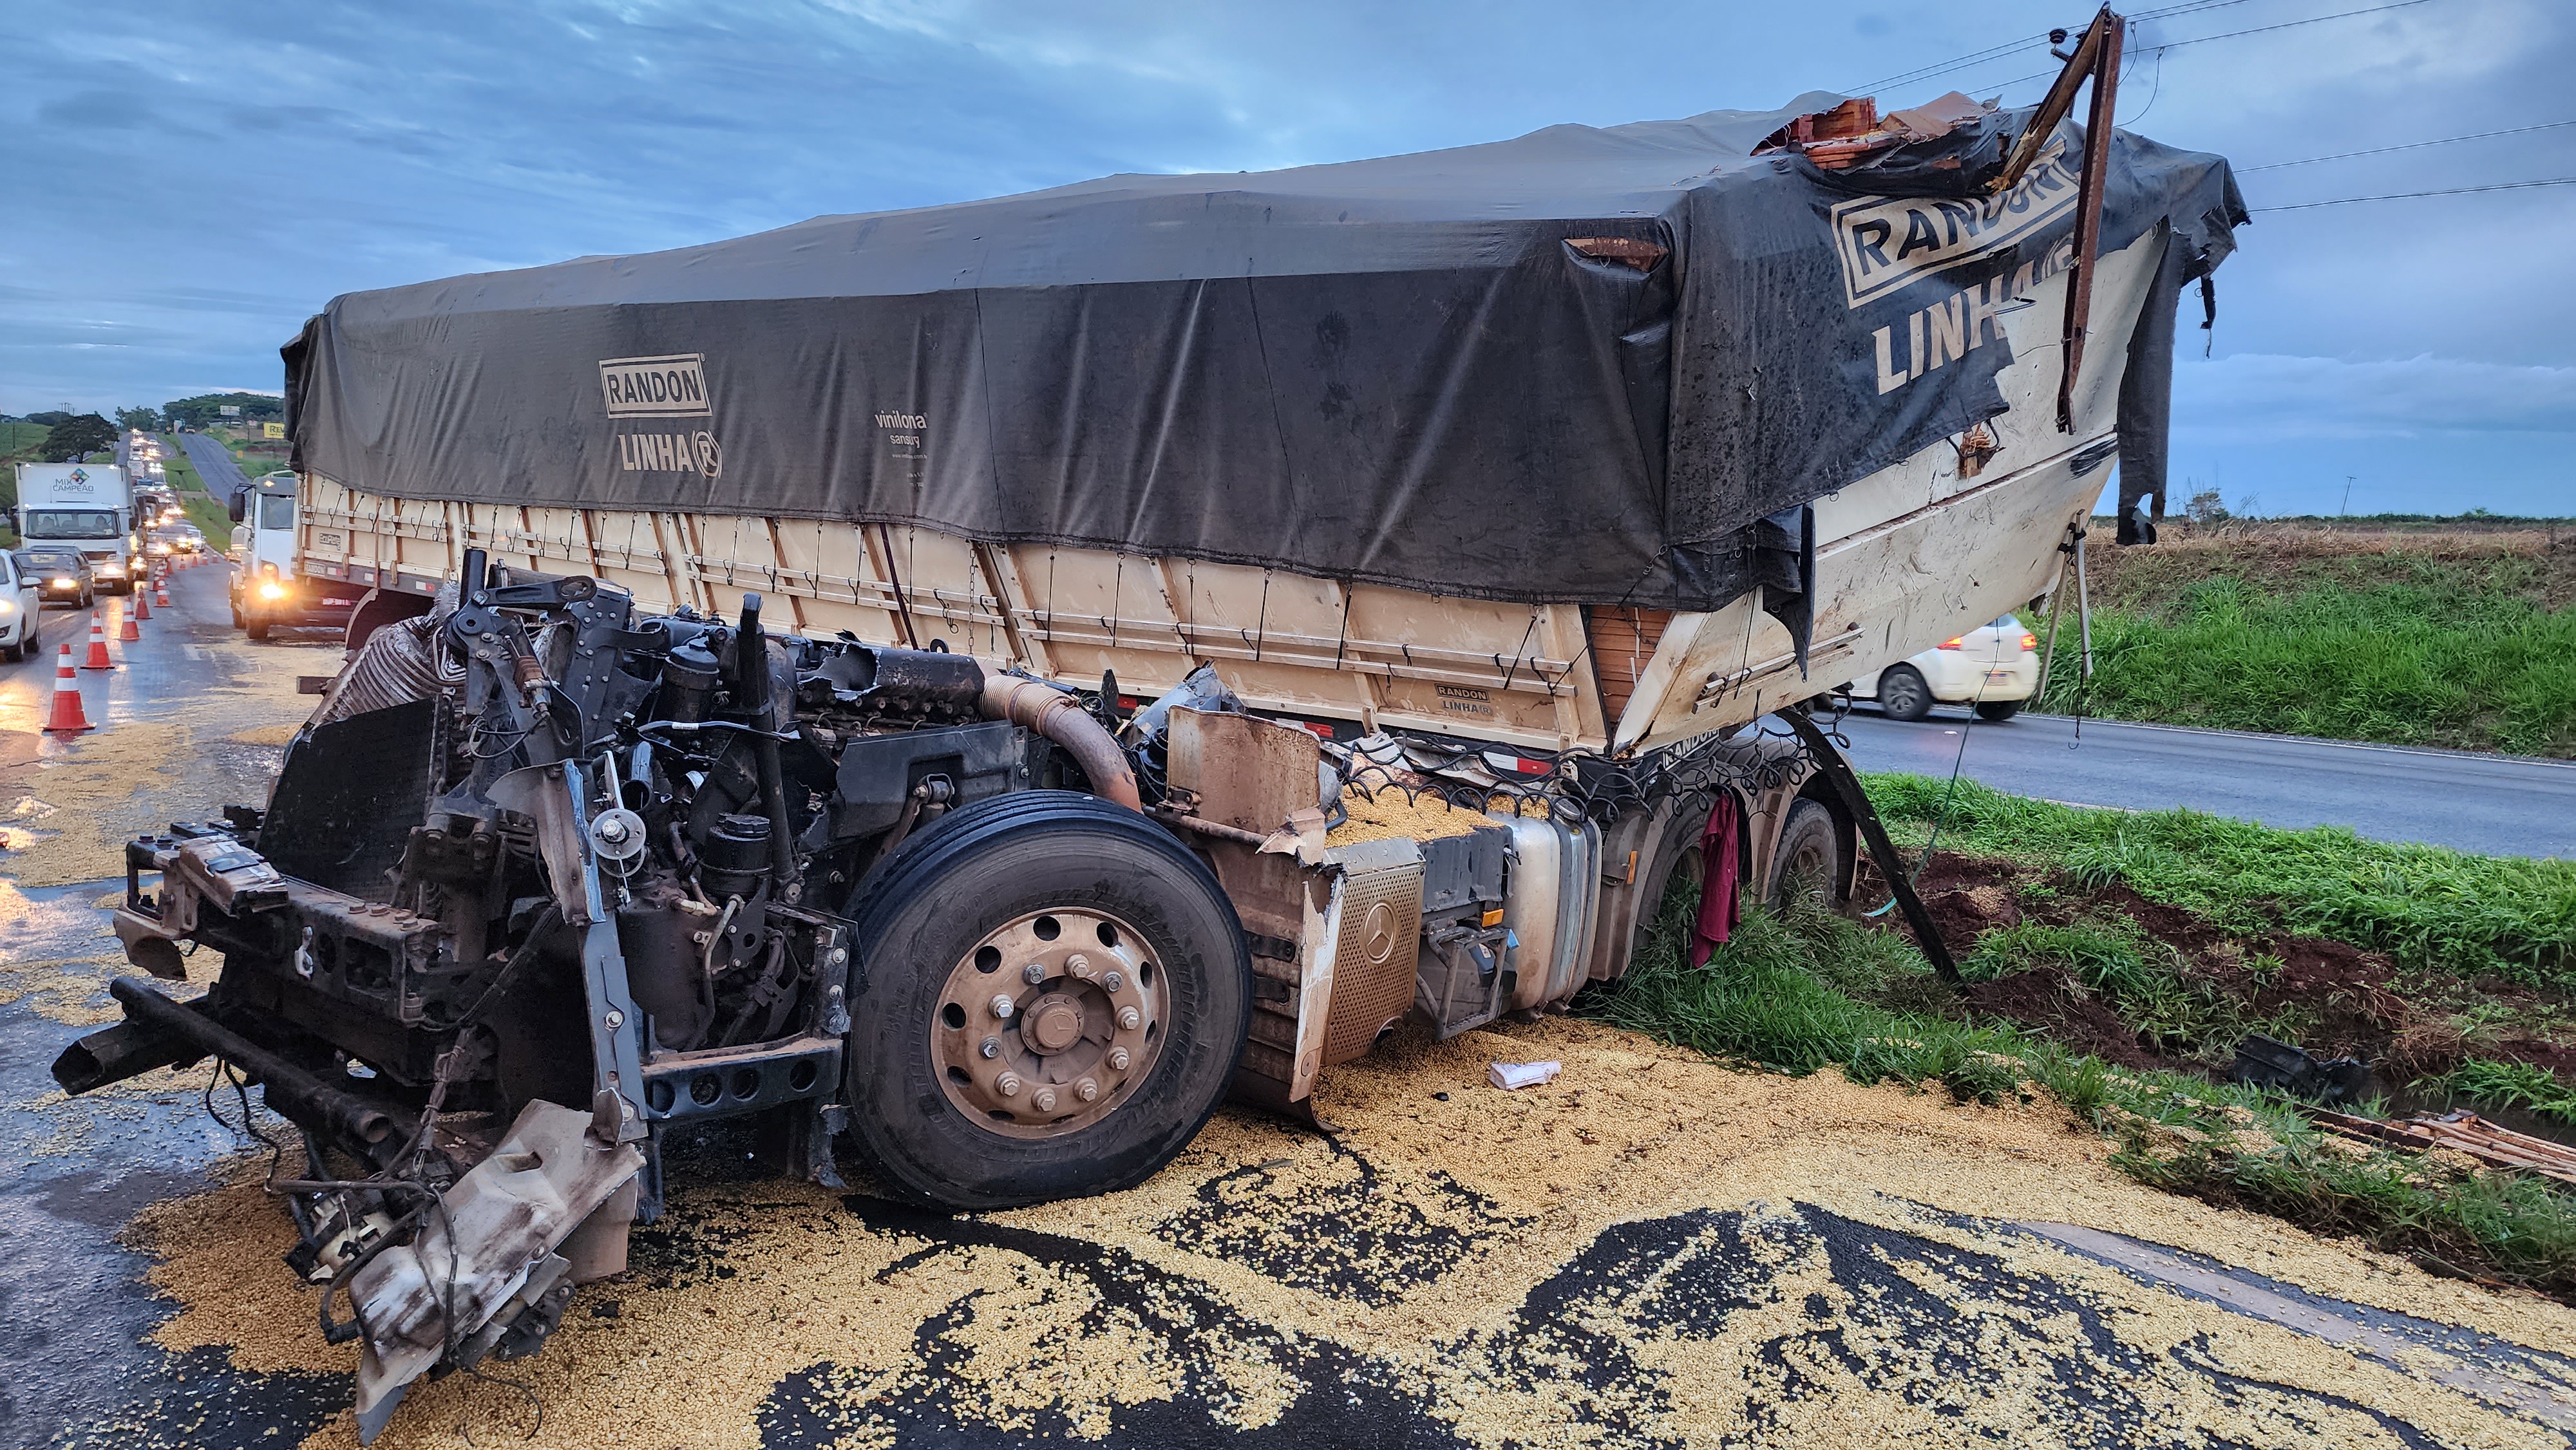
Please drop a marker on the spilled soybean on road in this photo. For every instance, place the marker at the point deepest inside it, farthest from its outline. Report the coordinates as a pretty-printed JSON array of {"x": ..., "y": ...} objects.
[{"x": 1653, "y": 1250}]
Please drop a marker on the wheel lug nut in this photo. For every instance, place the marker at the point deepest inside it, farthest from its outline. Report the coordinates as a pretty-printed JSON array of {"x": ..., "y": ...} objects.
[
  {"x": 1001, "y": 1006},
  {"x": 1079, "y": 965},
  {"x": 1043, "y": 1100},
  {"x": 1008, "y": 1084},
  {"x": 1033, "y": 973},
  {"x": 1086, "y": 1090},
  {"x": 1118, "y": 1059},
  {"x": 1128, "y": 1017},
  {"x": 991, "y": 1047},
  {"x": 1114, "y": 981}
]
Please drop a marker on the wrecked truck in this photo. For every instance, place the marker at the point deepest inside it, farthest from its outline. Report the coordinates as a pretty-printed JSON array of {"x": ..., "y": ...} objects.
[{"x": 1223, "y": 618}]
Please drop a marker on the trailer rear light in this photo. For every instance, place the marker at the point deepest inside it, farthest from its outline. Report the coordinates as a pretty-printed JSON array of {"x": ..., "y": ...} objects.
[
  {"x": 1953, "y": 642},
  {"x": 2029, "y": 641},
  {"x": 271, "y": 589}
]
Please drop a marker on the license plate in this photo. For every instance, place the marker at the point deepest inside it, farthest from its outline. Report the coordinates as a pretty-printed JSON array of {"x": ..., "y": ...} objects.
[
  {"x": 1998, "y": 677},
  {"x": 339, "y": 601}
]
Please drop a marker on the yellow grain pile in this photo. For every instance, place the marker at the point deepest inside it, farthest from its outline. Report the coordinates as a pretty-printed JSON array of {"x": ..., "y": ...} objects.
[{"x": 1270, "y": 1265}]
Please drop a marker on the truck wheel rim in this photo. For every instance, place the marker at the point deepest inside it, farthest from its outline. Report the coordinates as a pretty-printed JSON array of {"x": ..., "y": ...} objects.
[{"x": 1050, "y": 1023}]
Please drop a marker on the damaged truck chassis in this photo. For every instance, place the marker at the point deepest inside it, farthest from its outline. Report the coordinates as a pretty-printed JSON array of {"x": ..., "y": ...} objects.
[{"x": 549, "y": 878}]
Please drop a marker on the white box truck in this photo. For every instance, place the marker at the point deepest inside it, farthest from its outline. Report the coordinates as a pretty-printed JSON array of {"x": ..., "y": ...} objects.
[{"x": 84, "y": 506}]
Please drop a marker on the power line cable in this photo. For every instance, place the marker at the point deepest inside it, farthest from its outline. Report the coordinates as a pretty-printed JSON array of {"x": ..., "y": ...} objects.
[
  {"x": 2411, "y": 195},
  {"x": 2408, "y": 146},
  {"x": 2228, "y": 35},
  {"x": 1993, "y": 52}
]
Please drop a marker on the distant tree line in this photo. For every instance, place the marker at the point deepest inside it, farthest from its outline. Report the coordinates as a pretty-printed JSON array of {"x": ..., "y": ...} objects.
[{"x": 67, "y": 437}]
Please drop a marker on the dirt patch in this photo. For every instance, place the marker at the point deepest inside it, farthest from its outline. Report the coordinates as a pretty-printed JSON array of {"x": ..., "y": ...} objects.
[
  {"x": 2559, "y": 1058},
  {"x": 2047, "y": 998},
  {"x": 1966, "y": 897},
  {"x": 2346, "y": 1000},
  {"x": 2356, "y": 1009}
]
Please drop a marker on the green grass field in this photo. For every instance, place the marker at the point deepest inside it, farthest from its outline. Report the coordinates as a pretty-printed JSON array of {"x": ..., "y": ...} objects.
[{"x": 2460, "y": 638}]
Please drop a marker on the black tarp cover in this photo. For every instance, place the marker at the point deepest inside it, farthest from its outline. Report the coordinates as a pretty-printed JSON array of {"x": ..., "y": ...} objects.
[{"x": 1400, "y": 370}]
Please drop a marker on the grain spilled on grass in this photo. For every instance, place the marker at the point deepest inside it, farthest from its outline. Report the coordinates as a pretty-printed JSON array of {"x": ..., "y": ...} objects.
[{"x": 1653, "y": 1248}]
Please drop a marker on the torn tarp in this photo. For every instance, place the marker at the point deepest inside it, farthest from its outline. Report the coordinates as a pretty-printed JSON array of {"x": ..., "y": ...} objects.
[{"x": 1577, "y": 366}]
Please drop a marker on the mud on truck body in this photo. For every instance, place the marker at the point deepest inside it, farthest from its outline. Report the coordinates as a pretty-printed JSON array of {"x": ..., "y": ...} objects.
[{"x": 678, "y": 773}]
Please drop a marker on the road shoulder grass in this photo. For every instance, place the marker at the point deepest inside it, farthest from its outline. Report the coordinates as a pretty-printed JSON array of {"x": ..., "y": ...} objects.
[
  {"x": 201, "y": 507},
  {"x": 2457, "y": 636},
  {"x": 2113, "y": 961}
]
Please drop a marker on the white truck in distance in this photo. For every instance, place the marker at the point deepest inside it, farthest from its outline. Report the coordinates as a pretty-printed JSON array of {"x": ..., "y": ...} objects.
[
  {"x": 84, "y": 506},
  {"x": 268, "y": 588}
]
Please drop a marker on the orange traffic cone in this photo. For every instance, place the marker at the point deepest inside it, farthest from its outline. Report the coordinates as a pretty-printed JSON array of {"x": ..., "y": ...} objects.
[
  {"x": 67, "y": 717},
  {"x": 127, "y": 632},
  {"x": 98, "y": 659},
  {"x": 142, "y": 601},
  {"x": 161, "y": 589}
]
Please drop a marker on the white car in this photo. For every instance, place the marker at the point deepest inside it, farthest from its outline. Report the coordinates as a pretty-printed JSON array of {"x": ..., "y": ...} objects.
[
  {"x": 1992, "y": 668},
  {"x": 22, "y": 608}
]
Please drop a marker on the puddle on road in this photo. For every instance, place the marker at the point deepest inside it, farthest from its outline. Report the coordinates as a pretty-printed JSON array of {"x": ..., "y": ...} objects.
[{"x": 1652, "y": 1251}]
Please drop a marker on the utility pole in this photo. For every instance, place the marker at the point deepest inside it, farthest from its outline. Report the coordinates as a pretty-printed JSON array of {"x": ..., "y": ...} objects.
[{"x": 2347, "y": 495}]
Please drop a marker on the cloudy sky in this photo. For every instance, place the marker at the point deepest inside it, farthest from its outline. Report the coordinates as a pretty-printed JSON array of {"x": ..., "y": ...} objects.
[{"x": 190, "y": 181}]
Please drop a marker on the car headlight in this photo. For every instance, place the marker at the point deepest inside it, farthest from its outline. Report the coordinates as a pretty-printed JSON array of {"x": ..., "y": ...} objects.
[
  {"x": 62, "y": 584},
  {"x": 271, "y": 589},
  {"x": 111, "y": 567},
  {"x": 8, "y": 606}
]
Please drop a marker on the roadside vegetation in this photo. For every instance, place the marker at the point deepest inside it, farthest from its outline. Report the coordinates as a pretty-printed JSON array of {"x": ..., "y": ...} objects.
[
  {"x": 2427, "y": 907},
  {"x": 2114, "y": 961},
  {"x": 2453, "y": 633},
  {"x": 202, "y": 508}
]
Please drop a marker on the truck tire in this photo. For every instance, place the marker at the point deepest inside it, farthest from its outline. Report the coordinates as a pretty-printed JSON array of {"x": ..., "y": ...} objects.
[
  {"x": 1903, "y": 694},
  {"x": 1809, "y": 856},
  {"x": 257, "y": 629},
  {"x": 1068, "y": 1094},
  {"x": 1998, "y": 710},
  {"x": 1677, "y": 862}
]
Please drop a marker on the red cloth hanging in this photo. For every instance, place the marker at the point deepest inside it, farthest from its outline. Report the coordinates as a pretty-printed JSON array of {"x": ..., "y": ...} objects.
[{"x": 1721, "y": 863}]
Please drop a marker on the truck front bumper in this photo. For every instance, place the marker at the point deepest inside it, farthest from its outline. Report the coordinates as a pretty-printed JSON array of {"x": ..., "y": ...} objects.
[{"x": 299, "y": 602}]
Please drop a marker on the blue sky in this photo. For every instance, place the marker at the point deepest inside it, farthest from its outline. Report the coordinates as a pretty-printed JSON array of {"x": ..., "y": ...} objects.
[{"x": 190, "y": 181}]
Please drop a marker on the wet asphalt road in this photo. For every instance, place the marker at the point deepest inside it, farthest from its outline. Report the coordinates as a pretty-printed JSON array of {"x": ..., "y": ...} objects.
[
  {"x": 73, "y": 1174},
  {"x": 2498, "y": 805},
  {"x": 214, "y": 463},
  {"x": 1375, "y": 1287}
]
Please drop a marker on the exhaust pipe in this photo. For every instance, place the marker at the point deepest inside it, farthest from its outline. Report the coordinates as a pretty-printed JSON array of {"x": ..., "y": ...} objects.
[{"x": 1055, "y": 715}]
